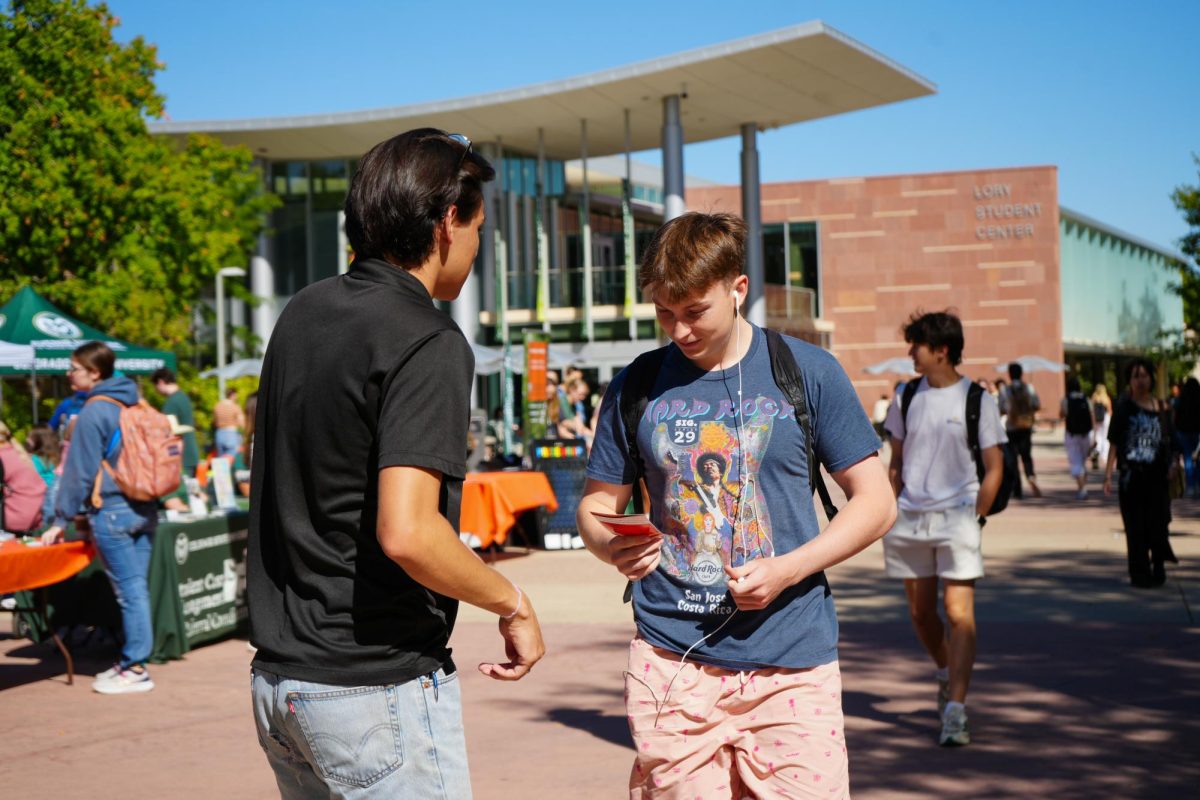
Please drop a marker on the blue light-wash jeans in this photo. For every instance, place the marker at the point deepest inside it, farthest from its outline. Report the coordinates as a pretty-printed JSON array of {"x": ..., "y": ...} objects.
[
  {"x": 355, "y": 742},
  {"x": 124, "y": 535},
  {"x": 228, "y": 441}
]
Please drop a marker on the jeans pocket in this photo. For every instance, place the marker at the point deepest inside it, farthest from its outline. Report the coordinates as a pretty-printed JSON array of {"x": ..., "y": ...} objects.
[
  {"x": 353, "y": 733},
  {"x": 120, "y": 522}
]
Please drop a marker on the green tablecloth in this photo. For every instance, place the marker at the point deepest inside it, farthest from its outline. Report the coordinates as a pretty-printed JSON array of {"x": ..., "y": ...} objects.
[{"x": 197, "y": 588}]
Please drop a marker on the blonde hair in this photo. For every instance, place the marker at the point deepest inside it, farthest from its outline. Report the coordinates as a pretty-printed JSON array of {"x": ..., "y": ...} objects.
[
  {"x": 1100, "y": 392},
  {"x": 6, "y": 437}
]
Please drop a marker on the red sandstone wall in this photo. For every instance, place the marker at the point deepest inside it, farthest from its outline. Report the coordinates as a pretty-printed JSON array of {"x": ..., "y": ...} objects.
[{"x": 985, "y": 243}]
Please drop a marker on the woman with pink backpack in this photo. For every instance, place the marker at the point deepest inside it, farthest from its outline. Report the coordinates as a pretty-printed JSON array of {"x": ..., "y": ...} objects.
[{"x": 122, "y": 527}]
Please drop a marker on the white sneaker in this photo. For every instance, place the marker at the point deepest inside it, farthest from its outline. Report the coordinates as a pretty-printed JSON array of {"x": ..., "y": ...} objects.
[
  {"x": 124, "y": 681},
  {"x": 1081, "y": 494},
  {"x": 954, "y": 727},
  {"x": 108, "y": 674}
]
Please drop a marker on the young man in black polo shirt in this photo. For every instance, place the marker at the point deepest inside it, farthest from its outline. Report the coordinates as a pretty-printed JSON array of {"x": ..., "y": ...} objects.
[{"x": 355, "y": 568}]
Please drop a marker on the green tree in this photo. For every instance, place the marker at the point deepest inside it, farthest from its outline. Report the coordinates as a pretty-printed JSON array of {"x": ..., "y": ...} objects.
[
  {"x": 1180, "y": 347},
  {"x": 1187, "y": 200},
  {"x": 122, "y": 228}
]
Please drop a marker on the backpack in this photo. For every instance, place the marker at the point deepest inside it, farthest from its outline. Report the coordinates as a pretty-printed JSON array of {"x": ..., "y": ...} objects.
[
  {"x": 1009, "y": 477},
  {"x": 1021, "y": 411},
  {"x": 1079, "y": 416},
  {"x": 150, "y": 464},
  {"x": 635, "y": 395},
  {"x": 1099, "y": 412}
]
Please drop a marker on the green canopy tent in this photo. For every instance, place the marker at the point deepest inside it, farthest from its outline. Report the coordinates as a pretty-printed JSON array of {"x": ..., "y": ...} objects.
[{"x": 29, "y": 319}]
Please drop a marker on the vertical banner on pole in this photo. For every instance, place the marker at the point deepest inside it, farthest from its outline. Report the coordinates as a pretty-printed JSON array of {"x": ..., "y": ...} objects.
[
  {"x": 537, "y": 352},
  {"x": 630, "y": 255}
]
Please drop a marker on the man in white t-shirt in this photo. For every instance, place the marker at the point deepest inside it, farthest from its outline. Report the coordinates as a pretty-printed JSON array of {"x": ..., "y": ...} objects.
[{"x": 942, "y": 506}]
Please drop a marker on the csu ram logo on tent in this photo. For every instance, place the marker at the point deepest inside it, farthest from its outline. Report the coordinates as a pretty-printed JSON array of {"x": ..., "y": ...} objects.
[{"x": 56, "y": 325}]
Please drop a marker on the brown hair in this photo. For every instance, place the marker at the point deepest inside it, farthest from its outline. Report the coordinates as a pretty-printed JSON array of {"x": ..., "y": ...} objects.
[
  {"x": 97, "y": 356},
  {"x": 691, "y": 253},
  {"x": 44, "y": 442}
]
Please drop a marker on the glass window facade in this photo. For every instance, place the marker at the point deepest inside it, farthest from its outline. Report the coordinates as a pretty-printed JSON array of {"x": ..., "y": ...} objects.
[
  {"x": 1115, "y": 293},
  {"x": 303, "y": 239},
  {"x": 792, "y": 260}
]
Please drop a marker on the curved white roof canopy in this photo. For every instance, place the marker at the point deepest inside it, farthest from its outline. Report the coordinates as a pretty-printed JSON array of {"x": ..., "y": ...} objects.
[{"x": 796, "y": 74}]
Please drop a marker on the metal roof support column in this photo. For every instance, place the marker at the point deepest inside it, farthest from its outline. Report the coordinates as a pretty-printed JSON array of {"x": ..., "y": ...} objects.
[
  {"x": 585, "y": 235},
  {"x": 672, "y": 156},
  {"x": 756, "y": 307},
  {"x": 488, "y": 244},
  {"x": 539, "y": 226},
  {"x": 630, "y": 248}
]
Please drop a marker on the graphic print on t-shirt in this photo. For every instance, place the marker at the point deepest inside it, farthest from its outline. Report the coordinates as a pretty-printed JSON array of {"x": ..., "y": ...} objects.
[
  {"x": 1144, "y": 439},
  {"x": 716, "y": 514}
]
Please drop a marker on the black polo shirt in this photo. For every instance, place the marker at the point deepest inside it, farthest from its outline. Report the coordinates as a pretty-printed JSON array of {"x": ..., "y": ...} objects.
[{"x": 362, "y": 372}]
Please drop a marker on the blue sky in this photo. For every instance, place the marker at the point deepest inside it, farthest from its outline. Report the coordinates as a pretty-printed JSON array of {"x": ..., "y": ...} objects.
[{"x": 1104, "y": 90}]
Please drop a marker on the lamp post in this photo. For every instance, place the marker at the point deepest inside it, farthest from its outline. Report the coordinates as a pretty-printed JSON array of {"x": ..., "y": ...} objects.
[{"x": 222, "y": 274}]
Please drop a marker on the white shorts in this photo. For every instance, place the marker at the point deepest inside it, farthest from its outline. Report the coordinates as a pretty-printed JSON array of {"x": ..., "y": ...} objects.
[
  {"x": 924, "y": 544},
  {"x": 1078, "y": 446}
]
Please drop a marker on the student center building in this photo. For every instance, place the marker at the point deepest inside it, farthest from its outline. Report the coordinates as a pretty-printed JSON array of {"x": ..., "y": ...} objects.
[{"x": 840, "y": 262}]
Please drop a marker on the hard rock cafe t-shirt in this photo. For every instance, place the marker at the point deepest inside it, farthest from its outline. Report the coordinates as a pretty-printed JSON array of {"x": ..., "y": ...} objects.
[{"x": 729, "y": 485}]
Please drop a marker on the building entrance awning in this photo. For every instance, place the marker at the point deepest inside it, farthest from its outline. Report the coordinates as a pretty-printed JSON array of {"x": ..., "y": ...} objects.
[{"x": 796, "y": 74}]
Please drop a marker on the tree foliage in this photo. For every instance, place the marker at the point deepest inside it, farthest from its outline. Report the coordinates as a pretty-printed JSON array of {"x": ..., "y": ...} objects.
[
  {"x": 1187, "y": 200},
  {"x": 1182, "y": 347},
  {"x": 121, "y": 228}
]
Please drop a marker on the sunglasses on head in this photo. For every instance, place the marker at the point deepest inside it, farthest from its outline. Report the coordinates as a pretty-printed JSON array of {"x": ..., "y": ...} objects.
[{"x": 466, "y": 143}]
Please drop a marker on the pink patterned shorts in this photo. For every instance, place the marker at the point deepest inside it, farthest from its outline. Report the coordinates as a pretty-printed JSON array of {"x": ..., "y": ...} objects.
[{"x": 721, "y": 735}]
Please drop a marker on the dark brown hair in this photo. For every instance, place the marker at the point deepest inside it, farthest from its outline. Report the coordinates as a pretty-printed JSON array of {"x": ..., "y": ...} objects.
[
  {"x": 691, "y": 253},
  {"x": 97, "y": 356},
  {"x": 936, "y": 329},
  {"x": 43, "y": 442},
  {"x": 404, "y": 187}
]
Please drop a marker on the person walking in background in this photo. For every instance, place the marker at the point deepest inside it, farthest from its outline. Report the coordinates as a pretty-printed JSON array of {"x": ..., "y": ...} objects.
[
  {"x": 1076, "y": 410},
  {"x": 943, "y": 506},
  {"x": 179, "y": 406},
  {"x": 1019, "y": 401},
  {"x": 1101, "y": 417},
  {"x": 228, "y": 422},
  {"x": 879, "y": 414},
  {"x": 123, "y": 529},
  {"x": 355, "y": 569},
  {"x": 1187, "y": 431},
  {"x": 1144, "y": 451}
]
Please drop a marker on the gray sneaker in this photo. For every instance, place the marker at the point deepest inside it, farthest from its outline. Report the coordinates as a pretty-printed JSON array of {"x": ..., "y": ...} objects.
[
  {"x": 943, "y": 695},
  {"x": 954, "y": 728},
  {"x": 124, "y": 681}
]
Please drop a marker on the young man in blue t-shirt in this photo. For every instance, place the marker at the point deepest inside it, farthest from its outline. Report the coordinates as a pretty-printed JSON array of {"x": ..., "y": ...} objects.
[{"x": 733, "y": 686}]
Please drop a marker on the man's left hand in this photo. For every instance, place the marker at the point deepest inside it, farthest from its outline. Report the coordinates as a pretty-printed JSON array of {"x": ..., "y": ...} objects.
[{"x": 755, "y": 585}]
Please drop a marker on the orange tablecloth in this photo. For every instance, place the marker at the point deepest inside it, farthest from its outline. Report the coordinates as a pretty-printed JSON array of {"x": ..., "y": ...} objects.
[
  {"x": 492, "y": 501},
  {"x": 23, "y": 568}
]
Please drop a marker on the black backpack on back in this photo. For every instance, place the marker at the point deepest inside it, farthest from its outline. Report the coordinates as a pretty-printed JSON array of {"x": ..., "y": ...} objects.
[
  {"x": 974, "y": 405},
  {"x": 635, "y": 395},
  {"x": 1079, "y": 414}
]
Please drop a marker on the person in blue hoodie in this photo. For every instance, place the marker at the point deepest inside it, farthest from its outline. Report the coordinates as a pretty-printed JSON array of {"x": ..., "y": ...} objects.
[{"x": 123, "y": 529}]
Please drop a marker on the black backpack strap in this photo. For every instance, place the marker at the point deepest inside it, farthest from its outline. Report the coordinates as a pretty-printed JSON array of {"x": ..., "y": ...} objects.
[
  {"x": 790, "y": 379},
  {"x": 910, "y": 391},
  {"x": 635, "y": 396},
  {"x": 974, "y": 406}
]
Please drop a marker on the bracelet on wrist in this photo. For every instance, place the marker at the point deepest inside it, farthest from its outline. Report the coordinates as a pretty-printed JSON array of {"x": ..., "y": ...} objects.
[{"x": 520, "y": 600}]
